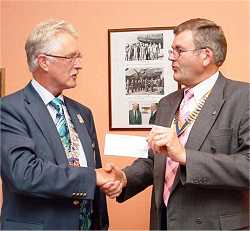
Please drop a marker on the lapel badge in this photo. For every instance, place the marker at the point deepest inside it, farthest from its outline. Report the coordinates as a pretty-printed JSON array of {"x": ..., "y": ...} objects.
[{"x": 81, "y": 120}]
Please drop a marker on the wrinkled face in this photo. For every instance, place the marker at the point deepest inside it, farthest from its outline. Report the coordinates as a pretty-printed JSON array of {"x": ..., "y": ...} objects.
[
  {"x": 186, "y": 60},
  {"x": 63, "y": 64}
]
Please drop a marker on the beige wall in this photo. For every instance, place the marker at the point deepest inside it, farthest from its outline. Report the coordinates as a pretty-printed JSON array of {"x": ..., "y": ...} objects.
[{"x": 93, "y": 19}]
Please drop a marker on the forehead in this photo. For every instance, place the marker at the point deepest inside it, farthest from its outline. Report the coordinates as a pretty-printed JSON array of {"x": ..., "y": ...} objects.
[
  {"x": 66, "y": 43},
  {"x": 184, "y": 39}
]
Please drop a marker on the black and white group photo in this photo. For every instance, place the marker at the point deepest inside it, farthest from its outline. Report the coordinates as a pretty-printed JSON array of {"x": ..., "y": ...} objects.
[
  {"x": 144, "y": 81},
  {"x": 144, "y": 47}
]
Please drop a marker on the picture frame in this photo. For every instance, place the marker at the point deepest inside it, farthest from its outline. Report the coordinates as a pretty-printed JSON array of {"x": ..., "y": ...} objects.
[
  {"x": 140, "y": 74},
  {"x": 2, "y": 82}
]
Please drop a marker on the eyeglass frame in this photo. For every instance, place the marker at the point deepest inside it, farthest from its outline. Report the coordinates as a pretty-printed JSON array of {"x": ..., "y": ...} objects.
[
  {"x": 72, "y": 58},
  {"x": 180, "y": 51}
]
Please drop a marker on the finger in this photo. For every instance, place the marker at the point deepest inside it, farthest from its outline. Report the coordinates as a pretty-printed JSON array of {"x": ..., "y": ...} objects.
[
  {"x": 160, "y": 143},
  {"x": 154, "y": 144},
  {"x": 118, "y": 174},
  {"x": 150, "y": 137},
  {"x": 107, "y": 186},
  {"x": 152, "y": 133},
  {"x": 154, "y": 148},
  {"x": 159, "y": 136},
  {"x": 116, "y": 192},
  {"x": 113, "y": 196},
  {"x": 113, "y": 193},
  {"x": 114, "y": 187},
  {"x": 108, "y": 167}
]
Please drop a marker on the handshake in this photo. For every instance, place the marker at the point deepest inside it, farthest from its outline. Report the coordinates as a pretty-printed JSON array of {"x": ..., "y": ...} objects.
[
  {"x": 111, "y": 180},
  {"x": 161, "y": 141}
]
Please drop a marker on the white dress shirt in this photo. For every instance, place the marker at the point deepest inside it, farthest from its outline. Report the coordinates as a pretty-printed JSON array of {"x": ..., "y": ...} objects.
[
  {"x": 200, "y": 90},
  {"x": 47, "y": 97}
]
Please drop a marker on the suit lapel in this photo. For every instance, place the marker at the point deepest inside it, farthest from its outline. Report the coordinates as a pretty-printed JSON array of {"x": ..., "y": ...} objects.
[
  {"x": 41, "y": 116},
  {"x": 207, "y": 116},
  {"x": 205, "y": 120},
  {"x": 164, "y": 117},
  {"x": 81, "y": 129}
]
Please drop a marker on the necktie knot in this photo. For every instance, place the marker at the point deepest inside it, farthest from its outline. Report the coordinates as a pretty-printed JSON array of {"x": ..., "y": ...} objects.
[
  {"x": 188, "y": 94},
  {"x": 57, "y": 104}
]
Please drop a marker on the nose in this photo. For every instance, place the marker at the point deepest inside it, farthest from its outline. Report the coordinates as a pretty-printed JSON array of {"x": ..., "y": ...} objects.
[
  {"x": 171, "y": 57},
  {"x": 78, "y": 63}
]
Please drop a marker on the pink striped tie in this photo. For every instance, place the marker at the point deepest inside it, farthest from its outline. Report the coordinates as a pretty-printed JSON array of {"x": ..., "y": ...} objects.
[{"x": 172, "y": 166}]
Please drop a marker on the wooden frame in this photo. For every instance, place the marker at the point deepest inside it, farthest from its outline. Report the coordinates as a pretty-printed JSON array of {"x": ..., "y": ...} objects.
[
  {"x": 140, "y": 74},
  {"x": 2, "y": 82}
]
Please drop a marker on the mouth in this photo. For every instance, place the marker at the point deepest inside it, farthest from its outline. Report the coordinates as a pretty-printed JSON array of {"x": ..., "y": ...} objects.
[
  {"x": 174, "y": 68},
  {"x": 74, "y": 76}
]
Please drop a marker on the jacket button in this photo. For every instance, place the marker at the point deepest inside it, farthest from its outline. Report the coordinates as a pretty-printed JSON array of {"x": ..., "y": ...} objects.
[
  {"x": 76, "y": 202},
  {"x": 198, "y": 220},
  {"x": 213, "y": 149}
]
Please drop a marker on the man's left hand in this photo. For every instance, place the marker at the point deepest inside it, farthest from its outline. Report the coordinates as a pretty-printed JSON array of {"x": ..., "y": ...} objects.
[{"x": 165, "y": 141}]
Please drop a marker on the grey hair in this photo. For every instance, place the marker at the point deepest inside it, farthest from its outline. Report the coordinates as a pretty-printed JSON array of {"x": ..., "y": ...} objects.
[
  {"x": 206, "y": 34},
  {"x": 43, "y": 38}
]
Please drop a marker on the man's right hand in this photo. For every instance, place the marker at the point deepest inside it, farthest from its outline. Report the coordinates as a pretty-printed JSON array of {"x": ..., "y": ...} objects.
[{"x": 111, "y": 180}]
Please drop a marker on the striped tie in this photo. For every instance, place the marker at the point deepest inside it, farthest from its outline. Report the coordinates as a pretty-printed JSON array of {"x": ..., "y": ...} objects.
[
  {"x": 61, "y": 123},
  {"x": 172, "y": 166},
  {"x": 63, "y": 130}
]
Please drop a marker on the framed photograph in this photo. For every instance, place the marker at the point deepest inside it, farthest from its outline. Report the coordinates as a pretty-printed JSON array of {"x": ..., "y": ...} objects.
[
  {"x": 140, "y": 74},
  {"x": 2, "y": 75}
]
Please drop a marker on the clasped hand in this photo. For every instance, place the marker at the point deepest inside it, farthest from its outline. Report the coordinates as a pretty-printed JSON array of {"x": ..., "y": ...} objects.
[{"x": 111, "y": 180}]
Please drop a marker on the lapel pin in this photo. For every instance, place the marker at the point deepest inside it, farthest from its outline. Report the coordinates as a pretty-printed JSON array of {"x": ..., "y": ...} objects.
[{"x": 81, "y": 120}]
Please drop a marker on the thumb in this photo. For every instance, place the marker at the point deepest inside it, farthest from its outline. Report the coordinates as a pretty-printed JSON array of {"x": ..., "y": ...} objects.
[{"x": 108, "y": 167}]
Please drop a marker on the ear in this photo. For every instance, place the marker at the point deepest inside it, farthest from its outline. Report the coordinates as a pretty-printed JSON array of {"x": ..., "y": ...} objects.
[
  {"x": 207, "y": 56},
  {"x": 43, "y": 62}
]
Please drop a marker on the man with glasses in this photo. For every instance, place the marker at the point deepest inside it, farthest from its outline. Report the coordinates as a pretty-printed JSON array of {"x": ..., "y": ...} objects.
[
  {"x": 198, "y": 161},
  {"x": 50, "y": 160}
]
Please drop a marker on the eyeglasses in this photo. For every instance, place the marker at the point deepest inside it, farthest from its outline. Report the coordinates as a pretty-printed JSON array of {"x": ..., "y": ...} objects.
[
  {"x": 176, "y": 53},
  {"x": 72, "y": 58}
]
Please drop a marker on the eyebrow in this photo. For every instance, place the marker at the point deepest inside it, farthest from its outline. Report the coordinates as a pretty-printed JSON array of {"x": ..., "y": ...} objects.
[
  {"x": 178, "y": 47},
  {"x": 74, "y": 53}
]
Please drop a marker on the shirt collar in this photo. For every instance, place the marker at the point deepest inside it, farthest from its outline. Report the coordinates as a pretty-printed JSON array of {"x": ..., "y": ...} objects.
[
  {"x": 44, "y": 93},
  {"x": 202, "y": 88}
]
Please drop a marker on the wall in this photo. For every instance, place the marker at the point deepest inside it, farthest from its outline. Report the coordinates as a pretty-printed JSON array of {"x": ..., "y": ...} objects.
[{"x": 93, "y": 19}]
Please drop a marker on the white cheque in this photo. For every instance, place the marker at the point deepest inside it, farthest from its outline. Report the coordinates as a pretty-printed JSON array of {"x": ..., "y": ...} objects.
[{"x": 125, "y": 145}]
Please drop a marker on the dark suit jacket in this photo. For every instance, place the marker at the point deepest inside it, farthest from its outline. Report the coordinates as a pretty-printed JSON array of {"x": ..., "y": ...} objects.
[
  {"x": 40, "y": 191},
  {"x": 212, "y": 190},
  {"x": 133, "y": 119},
  {"x": 152, "y": 118}
]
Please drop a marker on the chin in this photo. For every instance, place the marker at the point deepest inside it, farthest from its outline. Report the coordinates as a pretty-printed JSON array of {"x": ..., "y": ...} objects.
[
  {"x": 71, "y": 84},
  {"x": 176, "y": 77},
  {"x": 180, "y": 78}
]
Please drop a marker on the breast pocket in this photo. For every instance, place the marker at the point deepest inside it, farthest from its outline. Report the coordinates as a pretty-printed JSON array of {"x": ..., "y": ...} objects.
[{"x": 221, "y": 140}]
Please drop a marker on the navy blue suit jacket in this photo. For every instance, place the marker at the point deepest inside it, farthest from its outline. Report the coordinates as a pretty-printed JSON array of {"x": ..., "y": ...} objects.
[{"x": 40, "y": 190}]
